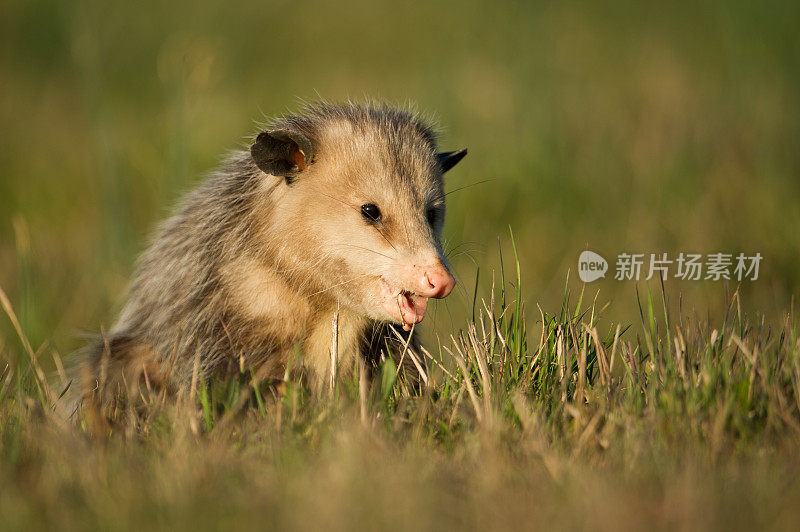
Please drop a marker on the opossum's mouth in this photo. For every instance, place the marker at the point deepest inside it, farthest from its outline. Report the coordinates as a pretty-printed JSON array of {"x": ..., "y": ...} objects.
[{"x": 403, "y": 306}]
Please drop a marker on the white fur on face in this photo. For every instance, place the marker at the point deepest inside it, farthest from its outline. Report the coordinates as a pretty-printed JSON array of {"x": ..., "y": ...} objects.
[{"x": 367, "y": 266}]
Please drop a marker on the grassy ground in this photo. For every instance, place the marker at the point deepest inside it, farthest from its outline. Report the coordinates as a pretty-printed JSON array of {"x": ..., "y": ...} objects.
[
  {"x": 618, "y": 127},
  {"x": 624, "y": 128},
  {"x": 687, "y": 425}
]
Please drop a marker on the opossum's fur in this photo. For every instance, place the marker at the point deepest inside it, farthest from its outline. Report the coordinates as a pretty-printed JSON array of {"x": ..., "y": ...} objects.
[{"x": 252, "y": 267}]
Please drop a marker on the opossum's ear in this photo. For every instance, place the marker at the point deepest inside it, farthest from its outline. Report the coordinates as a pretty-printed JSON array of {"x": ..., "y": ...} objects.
[
  {"x": 449, "y": 159},
  {"x": 282, "y": 152}
]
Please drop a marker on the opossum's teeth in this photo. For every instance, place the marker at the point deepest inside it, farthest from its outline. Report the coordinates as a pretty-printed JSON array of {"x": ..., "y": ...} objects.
[
  {"x": 412, "y": 308},
  {"x": 400, "y": 304},
  {"x": 403, "y": 306}
]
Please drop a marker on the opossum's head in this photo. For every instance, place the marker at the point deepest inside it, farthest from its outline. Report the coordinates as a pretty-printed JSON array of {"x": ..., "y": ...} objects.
[{"x": 360, "y": 207}]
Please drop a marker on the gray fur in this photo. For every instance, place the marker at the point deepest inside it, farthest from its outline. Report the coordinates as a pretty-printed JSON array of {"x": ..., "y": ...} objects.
[{"x": 233, "y": 234}]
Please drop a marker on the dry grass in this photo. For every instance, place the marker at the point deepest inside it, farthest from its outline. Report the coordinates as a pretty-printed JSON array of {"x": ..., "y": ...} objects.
[
  {"x": 623, "y": 126},
  {"x": 688, "y": 425}
]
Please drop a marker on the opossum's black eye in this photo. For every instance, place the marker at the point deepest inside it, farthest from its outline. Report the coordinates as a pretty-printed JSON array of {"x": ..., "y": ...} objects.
[
  {"x": 371, "y": 212},
  {"x": 432, "y": 216}
]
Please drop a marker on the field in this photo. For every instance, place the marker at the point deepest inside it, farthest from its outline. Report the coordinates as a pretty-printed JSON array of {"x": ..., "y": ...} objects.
[{"x": 549, "y": 403}]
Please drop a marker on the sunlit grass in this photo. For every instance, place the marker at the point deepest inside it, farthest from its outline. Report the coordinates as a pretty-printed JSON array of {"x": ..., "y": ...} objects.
[
  {"x": 611, "y": 126},
  {"x": 618, "y": 421}
]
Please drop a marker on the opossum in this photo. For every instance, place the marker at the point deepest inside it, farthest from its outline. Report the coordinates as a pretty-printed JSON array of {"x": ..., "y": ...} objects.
[{"x": 324, "y": 235}]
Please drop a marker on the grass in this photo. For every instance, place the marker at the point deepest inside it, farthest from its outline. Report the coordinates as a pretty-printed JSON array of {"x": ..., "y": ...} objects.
[
  {"x": 566, "y": 425},
  {"x": 640, "y": 128},
  {"x": 606, "y": 125}
]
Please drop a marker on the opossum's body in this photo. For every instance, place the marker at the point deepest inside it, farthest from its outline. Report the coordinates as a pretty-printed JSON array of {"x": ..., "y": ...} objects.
[{"x": 334, "y": 212}]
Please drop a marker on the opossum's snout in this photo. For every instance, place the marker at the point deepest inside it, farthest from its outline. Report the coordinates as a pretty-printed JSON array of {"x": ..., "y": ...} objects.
[
  {"x": 419, "y": 283},
  {"x": 440, "y": 282}
]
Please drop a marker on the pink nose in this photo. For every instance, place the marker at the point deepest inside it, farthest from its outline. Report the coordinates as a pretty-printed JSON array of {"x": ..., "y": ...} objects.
[{"x": 439, "y": 283}]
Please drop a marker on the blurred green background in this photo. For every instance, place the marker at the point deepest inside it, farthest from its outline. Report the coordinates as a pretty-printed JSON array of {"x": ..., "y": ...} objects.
[{"x": 611, "y": 125}]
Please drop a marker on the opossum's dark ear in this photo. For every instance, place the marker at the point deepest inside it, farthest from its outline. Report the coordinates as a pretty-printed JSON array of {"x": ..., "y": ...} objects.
[
  {"x": 282, "y": 152},
  {"x": 449, "y": 159}
]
